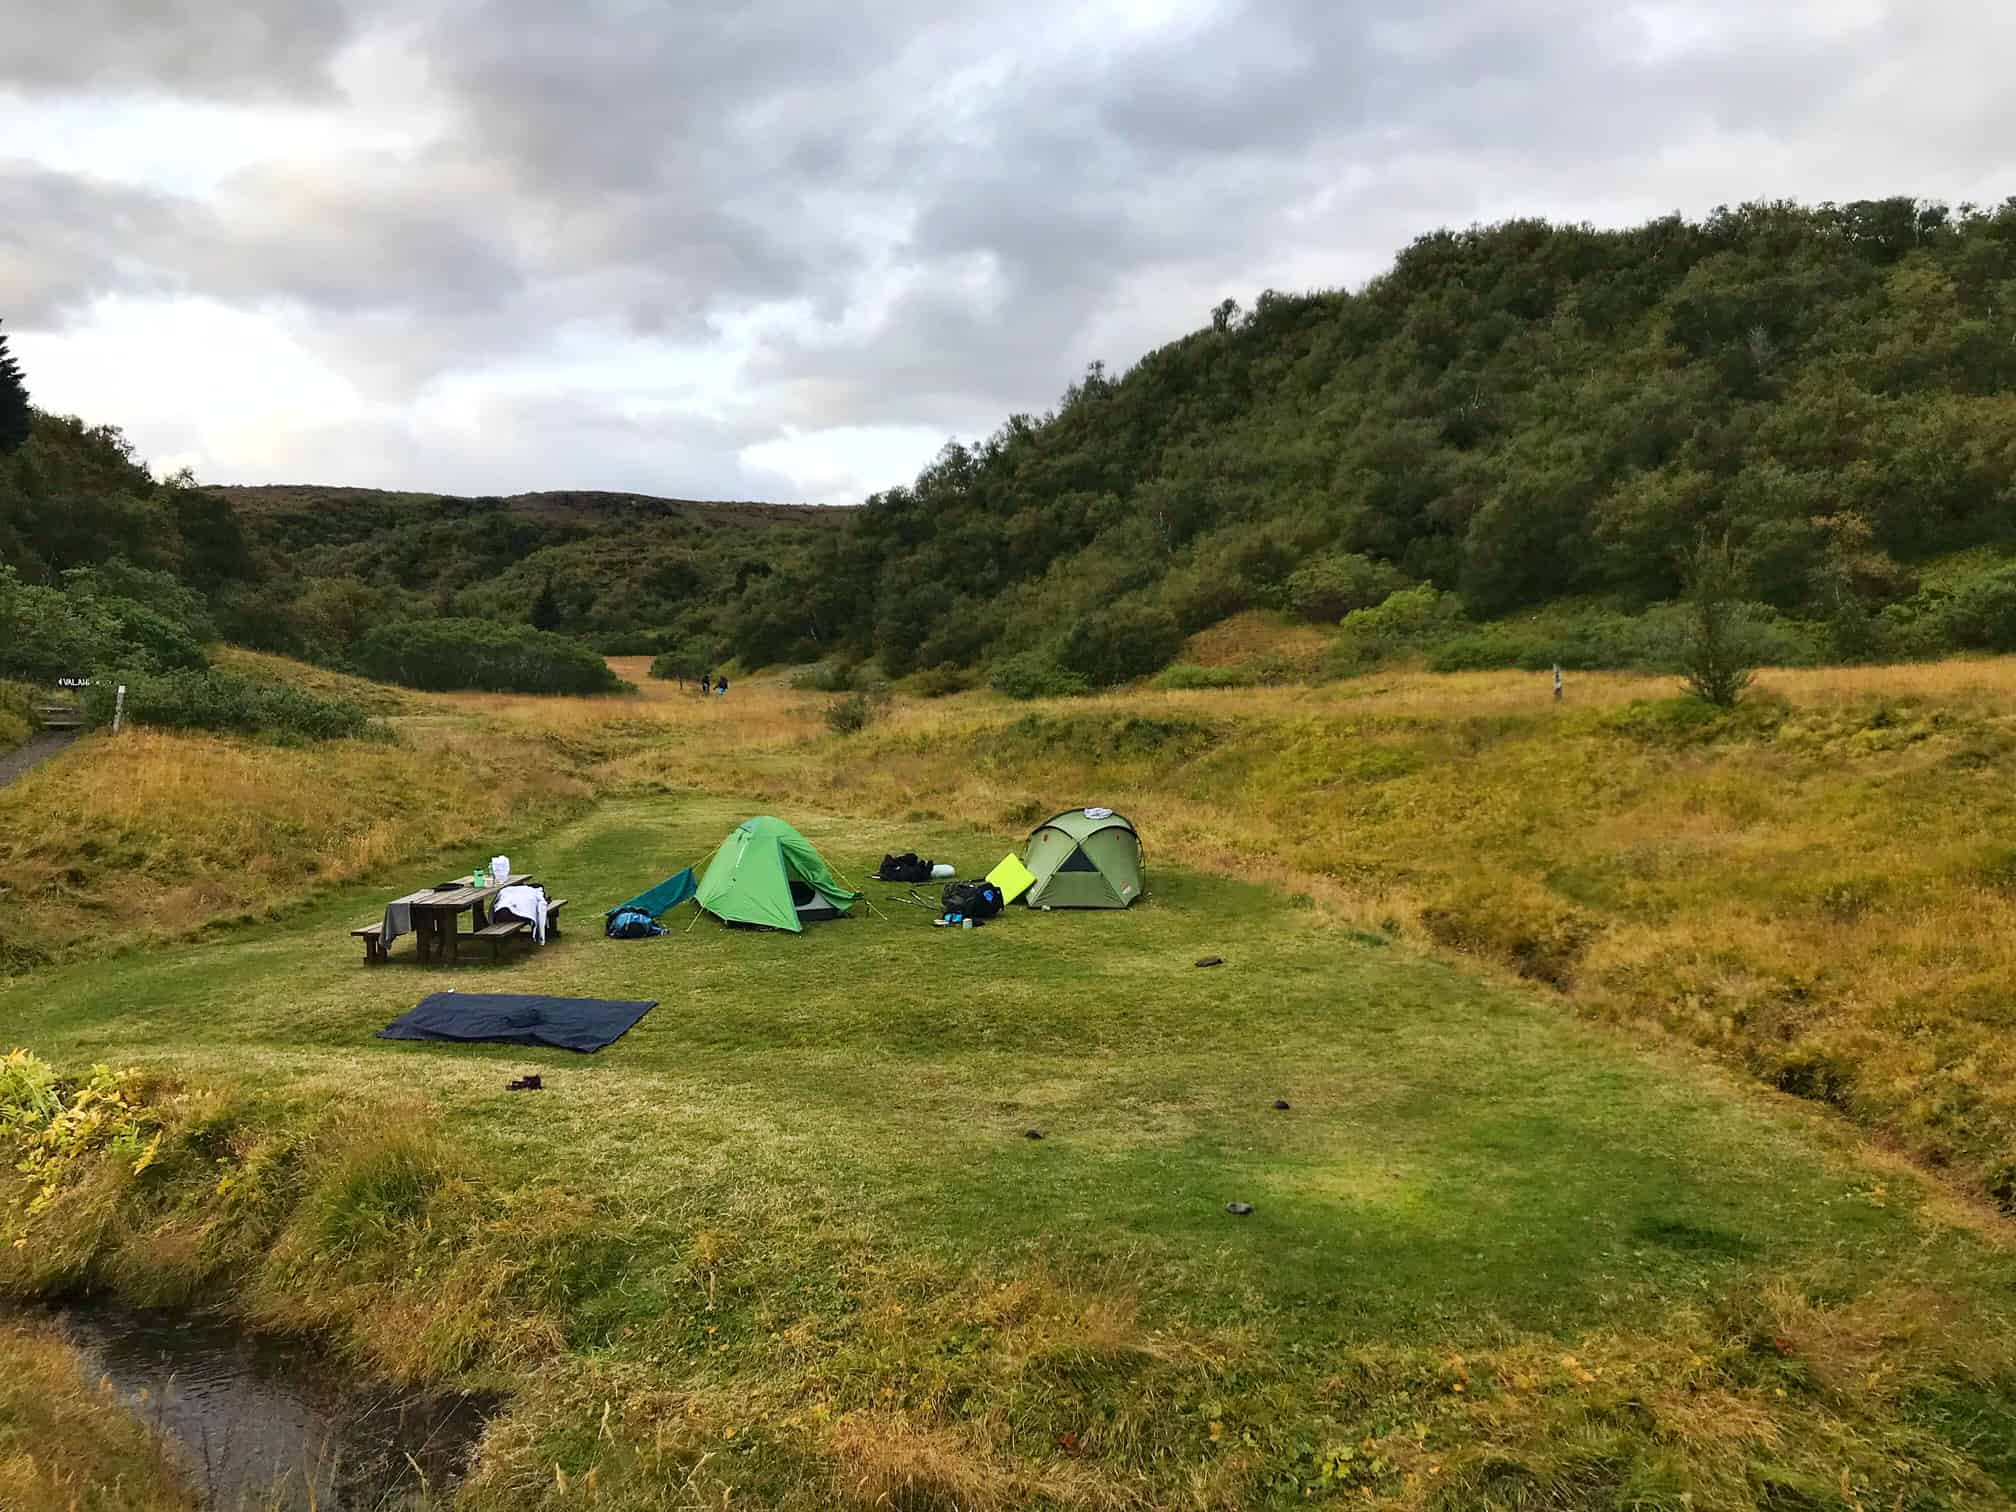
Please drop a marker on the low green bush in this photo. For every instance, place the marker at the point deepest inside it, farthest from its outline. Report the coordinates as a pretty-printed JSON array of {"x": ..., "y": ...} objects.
[
  {"x": 1120, "y": 643},
  {"x": 1330, "y": 587},
  {"x": 1982, "y": 614},
  {"x": 855, "y": 712},
  {"x": 1036, "y": 674},
  {"x": 830, "y": 676},
  {"x": 214, "y": 699},
  {"x": 636, "y": 643},
  {"x": 1190, "y": 675},
  {"x": 47, "y": 633},
  {"x": 943, "y": 681},
  {"x": 17, "y": 714},
  {"x": 482, "y": 654}
]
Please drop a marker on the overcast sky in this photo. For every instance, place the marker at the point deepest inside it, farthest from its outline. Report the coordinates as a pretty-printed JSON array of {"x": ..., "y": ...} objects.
[{"x": 768, "y": 250}]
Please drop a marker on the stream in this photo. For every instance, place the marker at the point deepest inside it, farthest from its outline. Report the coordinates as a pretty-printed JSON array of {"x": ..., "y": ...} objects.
[{"x": 271, "y": 1424}]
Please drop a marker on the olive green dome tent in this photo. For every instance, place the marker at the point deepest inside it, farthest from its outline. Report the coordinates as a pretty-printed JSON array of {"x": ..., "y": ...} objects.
[
  {"x": 767, "y": 873},
  {"x": 1084, "y": 858}
]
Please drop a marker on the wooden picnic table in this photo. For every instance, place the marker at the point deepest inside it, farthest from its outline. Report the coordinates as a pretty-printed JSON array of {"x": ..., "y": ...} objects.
[{"x": 436, "y": 910}]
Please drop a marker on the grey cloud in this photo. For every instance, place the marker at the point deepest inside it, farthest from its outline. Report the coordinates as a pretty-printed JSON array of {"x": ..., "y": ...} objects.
[
  {"x": 957, "y": 208},
  {"x": 220, "y": 48},
  {"x": 65, "y": 239}
]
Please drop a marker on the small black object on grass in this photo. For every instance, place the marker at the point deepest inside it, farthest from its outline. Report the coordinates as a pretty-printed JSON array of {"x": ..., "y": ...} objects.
[
  {"x": 1032, "y": 1133},
  {"x": 1280, "y": 1105},
  {"x": 1239, "y": 1209},
  {"x": 524, "y": 1084},
  {"x": 1212, "y": 961}
]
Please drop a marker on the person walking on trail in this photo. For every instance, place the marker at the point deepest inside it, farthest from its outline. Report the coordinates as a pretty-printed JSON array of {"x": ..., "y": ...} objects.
[
  {"x": 721, "y": 688},
  {"x": 706, "y": 683}
]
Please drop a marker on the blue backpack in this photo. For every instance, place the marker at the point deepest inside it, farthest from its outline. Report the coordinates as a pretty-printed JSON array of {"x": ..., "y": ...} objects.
[{"x": 631, "y": 924}]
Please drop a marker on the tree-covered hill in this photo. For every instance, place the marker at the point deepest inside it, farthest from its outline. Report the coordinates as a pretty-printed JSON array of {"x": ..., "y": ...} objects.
[
  {"x": 310, "y": 570},
  {"x": 1511, "y": 414}
]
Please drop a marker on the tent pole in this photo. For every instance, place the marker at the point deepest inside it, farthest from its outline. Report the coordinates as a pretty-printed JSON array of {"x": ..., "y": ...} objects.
[{"x": 863, "y": 896}]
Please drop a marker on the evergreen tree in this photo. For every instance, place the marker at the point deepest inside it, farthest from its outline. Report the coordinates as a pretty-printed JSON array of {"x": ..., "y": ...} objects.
[
  {"x": 14, "y": 415},
  {"x": 1716, "y": 657},
  {"x": 546, "y": 608}
]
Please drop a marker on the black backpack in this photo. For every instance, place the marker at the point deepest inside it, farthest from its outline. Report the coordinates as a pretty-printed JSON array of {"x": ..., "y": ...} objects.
[
  {"x": 974, "y": 900},
  {"x": 904, "y": 868}
]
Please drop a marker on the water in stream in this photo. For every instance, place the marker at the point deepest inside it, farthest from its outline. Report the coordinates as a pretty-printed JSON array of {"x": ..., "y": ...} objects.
[{"x": 271, "y": 1425}]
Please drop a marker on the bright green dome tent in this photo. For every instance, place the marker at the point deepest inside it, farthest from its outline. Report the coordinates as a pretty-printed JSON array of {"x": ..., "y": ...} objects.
[
  {"x": 1085, "y": 858},
  {"x": 767, "y": 873}
]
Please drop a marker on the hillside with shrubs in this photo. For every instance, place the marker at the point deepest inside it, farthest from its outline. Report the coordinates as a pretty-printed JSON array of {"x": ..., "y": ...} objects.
[{"x": 1495, "y": 454}]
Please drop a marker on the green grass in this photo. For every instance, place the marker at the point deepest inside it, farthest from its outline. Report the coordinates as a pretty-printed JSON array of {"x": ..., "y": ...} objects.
[{"x": 811, "y": 1131}]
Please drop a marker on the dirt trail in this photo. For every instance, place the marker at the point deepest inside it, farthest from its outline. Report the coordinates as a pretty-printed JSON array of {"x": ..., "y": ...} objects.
[{"x": 37, "y": 749}]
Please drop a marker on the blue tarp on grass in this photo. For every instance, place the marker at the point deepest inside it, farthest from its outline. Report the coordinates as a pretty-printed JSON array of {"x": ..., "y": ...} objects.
[{"x": 516, "y": 1018}]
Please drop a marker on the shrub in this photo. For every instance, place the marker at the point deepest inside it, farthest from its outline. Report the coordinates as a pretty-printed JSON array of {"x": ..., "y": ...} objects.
[
  {"x": 1119, "y": 643},
  {"x": 1982, "y": 614},
  {"x": 1036, "y": 674},
  {"x": 46, "y": 634},
  {"x": 1411, "y": 619},
  {"x": 938, "y": 682},
  {"x": 1190, "y": 675},
  {"x": 1717, "y": 653},
  {"x": 636, "y": 643},
  {"x": 482, "y": 654},
  {"x": 17, "y": 714},
  {"x": 1330, "y": 587},
  {"x": 829, "y": 676},
  {"x": 213, "y": 699},
  {"x": 854, "y": 713}
]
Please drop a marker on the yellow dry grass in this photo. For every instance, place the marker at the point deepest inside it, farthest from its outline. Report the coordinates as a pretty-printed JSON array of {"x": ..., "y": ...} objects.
[
  {"x": 153, "y": 834},
  {"x": 67, "y": 1445}
]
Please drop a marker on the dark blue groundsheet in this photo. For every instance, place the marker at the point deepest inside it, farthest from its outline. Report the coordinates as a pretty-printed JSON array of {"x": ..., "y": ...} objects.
[{"x": 514, "y": 1018}]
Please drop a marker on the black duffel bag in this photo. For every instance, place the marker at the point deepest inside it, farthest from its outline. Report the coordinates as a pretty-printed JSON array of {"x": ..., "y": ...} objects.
[
  {"x": 904, "y": 868},
  {"x": 972, "y": 900}
]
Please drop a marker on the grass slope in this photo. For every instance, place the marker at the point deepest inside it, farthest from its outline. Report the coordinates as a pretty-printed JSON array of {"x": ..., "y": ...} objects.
[
  {"x": 787, "y": 1242},
  {"x": 67, "y": 1447}
]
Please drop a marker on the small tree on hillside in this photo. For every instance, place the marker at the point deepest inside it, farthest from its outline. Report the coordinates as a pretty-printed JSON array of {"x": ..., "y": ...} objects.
[
  {"x": 546, "y": 608},
  {"x": 14, "y": 414},
  {"x": 1716, "y": 658}
]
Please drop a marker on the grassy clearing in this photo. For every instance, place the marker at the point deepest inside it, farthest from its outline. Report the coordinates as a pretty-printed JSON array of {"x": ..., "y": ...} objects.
[
  {"x": 1812, "y": 887},
  {"x": 69, "y": 1446},
  {"x": 787, "y": 1244}
]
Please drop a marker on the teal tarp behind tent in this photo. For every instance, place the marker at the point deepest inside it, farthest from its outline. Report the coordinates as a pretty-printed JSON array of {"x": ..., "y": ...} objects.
[{"x": 666, "y": 895}]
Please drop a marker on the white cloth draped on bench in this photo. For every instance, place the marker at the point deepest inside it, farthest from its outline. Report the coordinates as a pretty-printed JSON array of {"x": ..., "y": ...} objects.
[{"x": 527, "y": 903}]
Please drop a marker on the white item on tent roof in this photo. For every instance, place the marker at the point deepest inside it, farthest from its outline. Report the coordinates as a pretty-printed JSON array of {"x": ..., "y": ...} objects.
[{"x": 1098, "y": 813}]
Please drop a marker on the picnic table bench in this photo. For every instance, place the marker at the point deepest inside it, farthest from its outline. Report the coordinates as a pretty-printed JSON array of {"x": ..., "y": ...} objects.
[{"x": 437, "y": 910}]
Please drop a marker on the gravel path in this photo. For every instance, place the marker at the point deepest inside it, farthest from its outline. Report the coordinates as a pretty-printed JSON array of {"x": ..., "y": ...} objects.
[{"x": 37, "y": 749}]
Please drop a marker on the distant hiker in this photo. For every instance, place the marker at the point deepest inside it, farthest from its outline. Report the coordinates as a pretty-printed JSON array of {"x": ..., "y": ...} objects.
[
  {"x": 706, "y": 683},
  {"x": 721, "y": 687}
]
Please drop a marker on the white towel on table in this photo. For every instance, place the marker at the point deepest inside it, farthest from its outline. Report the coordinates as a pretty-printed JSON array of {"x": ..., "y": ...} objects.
[{"x": 526, "y": 903}]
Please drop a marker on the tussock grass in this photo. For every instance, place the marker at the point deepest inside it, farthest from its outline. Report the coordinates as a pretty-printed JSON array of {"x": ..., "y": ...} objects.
[
  {"x": 152, "y": 835},
  {"x": 17, "y": 714},
  {"x": 67, "y": 1445}
]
